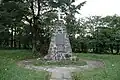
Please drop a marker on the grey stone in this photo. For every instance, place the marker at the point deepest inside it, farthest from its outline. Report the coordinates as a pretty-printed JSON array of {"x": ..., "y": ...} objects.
[
  {"x": 67, "y": 75},
  {"x": 56, "y": 79},
  {"x": 60, "y": 44},
  {"x": 56, "y": 75}
]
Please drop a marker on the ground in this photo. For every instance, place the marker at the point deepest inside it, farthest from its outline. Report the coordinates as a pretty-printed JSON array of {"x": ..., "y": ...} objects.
[
  {"x": 62, "y": 72},
  {"x": 111, "y": 70},
  {"x": 9, "y": 69}
]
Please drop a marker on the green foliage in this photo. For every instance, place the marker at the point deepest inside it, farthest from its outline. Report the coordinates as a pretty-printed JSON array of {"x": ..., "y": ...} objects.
[
  {"x": 28, "y": 23},
  {"x": 96, "y": 34}
]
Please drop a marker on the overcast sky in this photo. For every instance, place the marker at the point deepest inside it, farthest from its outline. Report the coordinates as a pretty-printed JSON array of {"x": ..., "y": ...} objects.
[{"x": 99, "y": 7}]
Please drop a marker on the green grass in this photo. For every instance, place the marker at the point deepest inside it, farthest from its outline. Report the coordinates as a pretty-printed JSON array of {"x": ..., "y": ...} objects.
[
  {"x": 59, "y": 63},
  {"x": 111, "y": 71},
  {"x": 10, "y": 71}
]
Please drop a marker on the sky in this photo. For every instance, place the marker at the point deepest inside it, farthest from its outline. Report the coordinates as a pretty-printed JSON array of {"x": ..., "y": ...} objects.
[{"x": 99, "y": 7}]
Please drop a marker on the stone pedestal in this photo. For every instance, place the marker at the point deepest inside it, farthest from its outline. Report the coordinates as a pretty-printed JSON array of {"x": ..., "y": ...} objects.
[{"x": 59, "y": 47}]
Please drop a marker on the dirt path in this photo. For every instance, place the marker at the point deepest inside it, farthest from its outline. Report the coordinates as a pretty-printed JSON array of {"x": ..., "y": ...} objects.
[{"x": 62, "y": 73}]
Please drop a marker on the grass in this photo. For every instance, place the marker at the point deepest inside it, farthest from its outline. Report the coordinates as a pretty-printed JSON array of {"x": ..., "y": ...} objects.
[
  {"x": 10, "y": 71},
  {"x": 59, "y": 63},
  {"x": 111, "y": 71}
]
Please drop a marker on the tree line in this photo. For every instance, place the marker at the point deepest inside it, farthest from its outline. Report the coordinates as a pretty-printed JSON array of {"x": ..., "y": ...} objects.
[
  {"x": 98, "y": 35},
  {"x": 28, "y": 24}
]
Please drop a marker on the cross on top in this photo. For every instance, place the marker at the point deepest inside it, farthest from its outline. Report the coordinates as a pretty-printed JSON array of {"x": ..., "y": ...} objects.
[{"x": 59, "y": 14}]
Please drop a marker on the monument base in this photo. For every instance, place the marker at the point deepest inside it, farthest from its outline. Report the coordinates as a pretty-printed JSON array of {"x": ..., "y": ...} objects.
[{"x": 57, "y": 56}]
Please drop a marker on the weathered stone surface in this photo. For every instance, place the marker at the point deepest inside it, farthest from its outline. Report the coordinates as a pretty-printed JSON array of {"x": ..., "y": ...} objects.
[
  {"x": 67, "y": 75},
  {"x": 60, "y": 74},
  {"x": 56, "y": 75},
  {"x": 60, "y": 44}
]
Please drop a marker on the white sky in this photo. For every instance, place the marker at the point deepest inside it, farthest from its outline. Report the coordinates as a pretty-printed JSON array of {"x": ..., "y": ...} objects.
[{"x": 99, "y": 7}]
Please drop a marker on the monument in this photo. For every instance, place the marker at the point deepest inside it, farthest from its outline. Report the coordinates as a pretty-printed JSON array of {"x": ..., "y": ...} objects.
[{"x": 59, "y": 47}]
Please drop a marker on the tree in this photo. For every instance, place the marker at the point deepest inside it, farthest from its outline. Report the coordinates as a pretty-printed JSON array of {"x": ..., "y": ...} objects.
[
  {"x": 29, "y": 23},
  {"x": 113, "y": 23},
  {"x": 10, "y": 17}
]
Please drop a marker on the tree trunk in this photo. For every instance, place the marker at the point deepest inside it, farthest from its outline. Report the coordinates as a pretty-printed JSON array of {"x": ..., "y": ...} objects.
[
  {"x": 11, "y": 36},
  {"x": 111, "y": 48},
  {"x": 19, "y": 44},
  {"x": 34, "y": 47},
  {"x": 93, "y": 48},
  {"x": 117, "y": 49},
  {"x": 33, "y": 30},
  {"x": 15, "y": 39}
]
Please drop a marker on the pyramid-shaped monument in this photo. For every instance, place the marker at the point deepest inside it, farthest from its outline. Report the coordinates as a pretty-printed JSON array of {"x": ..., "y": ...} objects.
[{"x": 59, "y": 47}]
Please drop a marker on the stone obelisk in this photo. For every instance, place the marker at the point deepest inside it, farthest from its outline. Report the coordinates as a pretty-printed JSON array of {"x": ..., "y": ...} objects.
[{"x": 59, "y": 47}]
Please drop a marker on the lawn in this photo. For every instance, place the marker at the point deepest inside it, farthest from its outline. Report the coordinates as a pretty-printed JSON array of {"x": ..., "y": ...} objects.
[
  {"x": 10, "y": 71},
  {"x": 111, "y": 71}
]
